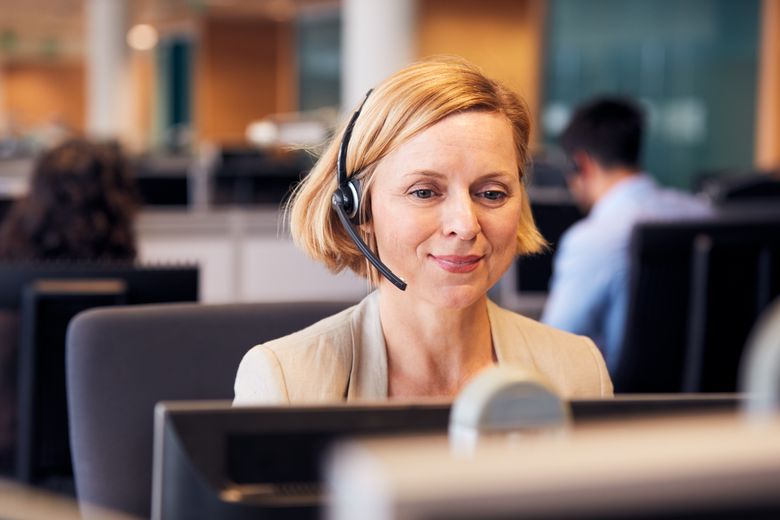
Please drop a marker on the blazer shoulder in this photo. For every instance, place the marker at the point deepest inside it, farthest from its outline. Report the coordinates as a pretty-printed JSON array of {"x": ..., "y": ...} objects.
[
  {"x": 535, "y": 330},
  {"x": 330, "y": 333},
  {"x": 310, "y": 365},
  {"x": 571, "y": 362}
]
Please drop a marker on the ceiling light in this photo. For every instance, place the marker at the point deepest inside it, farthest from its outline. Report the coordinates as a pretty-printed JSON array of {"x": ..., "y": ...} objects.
[{"x": 142, "y": 37}]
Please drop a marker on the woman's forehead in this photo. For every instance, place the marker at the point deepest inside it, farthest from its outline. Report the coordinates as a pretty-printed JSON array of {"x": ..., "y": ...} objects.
[{"x": 472, "y": 140}]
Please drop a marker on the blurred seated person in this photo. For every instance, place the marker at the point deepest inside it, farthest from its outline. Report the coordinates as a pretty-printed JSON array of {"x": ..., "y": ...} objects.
[
  {"x": 589, "y": 287},
  {"x": 80, "y": 206},
  {"x": 428, "y": 175}
]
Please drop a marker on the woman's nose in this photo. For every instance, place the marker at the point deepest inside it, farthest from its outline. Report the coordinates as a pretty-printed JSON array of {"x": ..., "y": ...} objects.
[{"x": 460, "y": 218}]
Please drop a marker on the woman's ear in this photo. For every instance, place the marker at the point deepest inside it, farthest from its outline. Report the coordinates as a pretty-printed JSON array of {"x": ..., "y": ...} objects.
[
  {"x": 366, "y": 223},
  {"x": 367, "y": 227}
]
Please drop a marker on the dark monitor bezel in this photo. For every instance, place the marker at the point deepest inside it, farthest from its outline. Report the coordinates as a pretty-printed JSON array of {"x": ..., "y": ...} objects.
[
  {"x": 141, "y": 288},
  {"x": 41, "y": 344},
  {"x": 209, "y": 423}
]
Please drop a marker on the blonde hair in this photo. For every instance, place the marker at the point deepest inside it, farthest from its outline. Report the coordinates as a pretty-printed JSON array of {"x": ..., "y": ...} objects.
[{"x": 405, "y": 104}]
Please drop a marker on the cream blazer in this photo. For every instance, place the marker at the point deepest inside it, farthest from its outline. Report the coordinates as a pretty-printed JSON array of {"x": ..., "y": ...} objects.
[{"x": 343, "y": 357}]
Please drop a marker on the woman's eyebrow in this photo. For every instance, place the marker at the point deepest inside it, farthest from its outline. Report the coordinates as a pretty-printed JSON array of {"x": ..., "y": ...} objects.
[
  {"x": 438, "y": 175},
  {"x": 425, "y": 174},
  {"x": 497, "y": 175}
]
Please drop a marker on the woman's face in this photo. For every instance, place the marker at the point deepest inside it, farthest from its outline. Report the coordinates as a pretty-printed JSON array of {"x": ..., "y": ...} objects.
[{"x": 445, "y": 208}]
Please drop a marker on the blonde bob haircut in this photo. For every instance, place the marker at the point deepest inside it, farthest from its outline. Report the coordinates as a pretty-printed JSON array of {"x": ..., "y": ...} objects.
[{"x": 405, "y": 104}]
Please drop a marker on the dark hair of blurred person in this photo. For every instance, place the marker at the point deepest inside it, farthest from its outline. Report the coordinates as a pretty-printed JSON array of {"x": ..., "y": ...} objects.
[
  {"x": 81, "y": 206},
  {"x": 609, "y": 129}
]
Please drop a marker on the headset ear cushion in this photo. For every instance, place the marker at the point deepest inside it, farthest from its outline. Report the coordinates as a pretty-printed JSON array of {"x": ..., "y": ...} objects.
[
  {"x": 352, "y": 192},
  {"x": 347, "y": 197}
]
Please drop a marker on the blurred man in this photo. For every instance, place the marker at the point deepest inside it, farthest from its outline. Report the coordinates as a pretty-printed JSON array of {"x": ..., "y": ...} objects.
[{"x": 589, "y": 288}]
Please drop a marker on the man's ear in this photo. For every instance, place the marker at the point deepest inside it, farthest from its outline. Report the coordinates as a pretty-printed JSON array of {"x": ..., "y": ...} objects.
[
  {"x": 583, "y": 163},
  {"x": 579, "y": 183}
]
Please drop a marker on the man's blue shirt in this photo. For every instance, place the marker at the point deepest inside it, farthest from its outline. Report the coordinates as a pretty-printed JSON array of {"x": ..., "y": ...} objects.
[{"x": 589, "y": 287}]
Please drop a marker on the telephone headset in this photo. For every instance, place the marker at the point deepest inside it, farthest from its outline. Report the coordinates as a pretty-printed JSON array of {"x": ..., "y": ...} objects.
[{"x": 346, "y": 202}]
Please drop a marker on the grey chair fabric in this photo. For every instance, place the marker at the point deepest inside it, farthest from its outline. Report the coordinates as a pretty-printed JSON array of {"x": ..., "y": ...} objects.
[{"x": 123, "y": 360}]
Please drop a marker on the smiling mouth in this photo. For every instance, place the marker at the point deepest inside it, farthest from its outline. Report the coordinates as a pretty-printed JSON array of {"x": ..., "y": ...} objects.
[{"x": 457, "y": 264}]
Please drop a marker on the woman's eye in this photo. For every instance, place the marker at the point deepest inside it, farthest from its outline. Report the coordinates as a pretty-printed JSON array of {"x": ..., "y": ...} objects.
[
  {"x": 423, "y": 193},
  {"x": 494, "y": 195}
]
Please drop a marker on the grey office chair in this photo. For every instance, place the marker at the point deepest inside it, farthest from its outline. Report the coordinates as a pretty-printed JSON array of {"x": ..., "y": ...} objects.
[{"x": 123, "y": 360}]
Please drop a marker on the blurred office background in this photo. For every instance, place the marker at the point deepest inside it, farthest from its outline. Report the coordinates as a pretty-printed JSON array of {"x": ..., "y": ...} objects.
[
  {"x": 212, "y": 98},
  {"x": 221, "y": 105}
]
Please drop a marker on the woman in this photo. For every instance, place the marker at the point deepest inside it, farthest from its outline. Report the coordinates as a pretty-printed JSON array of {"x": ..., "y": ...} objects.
[
  {"x": 80, "y": 206},
  {"x": 438, "y": 152}
]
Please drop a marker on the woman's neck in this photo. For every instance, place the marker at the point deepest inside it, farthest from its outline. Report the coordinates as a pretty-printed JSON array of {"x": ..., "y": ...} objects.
[{"x": 433, "y": 351}]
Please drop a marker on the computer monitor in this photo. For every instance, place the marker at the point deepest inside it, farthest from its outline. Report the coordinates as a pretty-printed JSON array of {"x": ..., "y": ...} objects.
[
  {"x": 6, "y": 203},
  {"x": 252, "y": 176},
  {"x": 42, "y": 298},
  {"x": 164, "y": 180},
  {"x": 145, "y": 283},
  {"x": 43, "y": 452},
  {"x": 553, "y": 218},
  {"x": 525, "y": 286},
  {"x": 695, "y": 290},
  {"x": 212, "y": 460},
  {"x": 741, "y": 187},
  {"x": 215, "y": 461},
  {"x": 736, "y": 277}
]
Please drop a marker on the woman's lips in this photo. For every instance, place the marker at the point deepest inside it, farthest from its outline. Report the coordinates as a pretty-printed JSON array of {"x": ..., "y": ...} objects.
[{"x": 457, "y": 264}]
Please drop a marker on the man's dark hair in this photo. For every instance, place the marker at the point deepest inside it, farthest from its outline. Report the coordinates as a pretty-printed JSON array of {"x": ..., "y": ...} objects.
[{"x": 609, "y": 129}]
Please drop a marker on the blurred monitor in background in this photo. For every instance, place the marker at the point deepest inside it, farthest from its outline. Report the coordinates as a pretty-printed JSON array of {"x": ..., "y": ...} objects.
[
  {"x": 164, "y": 180},
  {"x": 554, "y": 211},
  {"x": 553, "y": 215},
  {"x": 248, "y": 176},
  {"x": 547, "y": 170},
  {"x": 741, "y": 190}
]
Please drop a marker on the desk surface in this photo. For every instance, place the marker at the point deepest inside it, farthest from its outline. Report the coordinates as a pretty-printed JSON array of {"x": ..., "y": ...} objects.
[{"x": 25, "y": 503}]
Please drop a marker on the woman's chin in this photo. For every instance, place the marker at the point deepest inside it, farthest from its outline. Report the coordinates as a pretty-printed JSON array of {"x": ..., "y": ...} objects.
[
  {"x": 455, "y": 296},
  {"x": 440, "y": 294}
]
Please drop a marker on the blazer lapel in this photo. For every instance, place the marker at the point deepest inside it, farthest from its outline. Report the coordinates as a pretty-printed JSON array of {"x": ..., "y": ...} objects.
[
  {"x": 368, "y": 377},
  {"x": 510, "y": 343}
]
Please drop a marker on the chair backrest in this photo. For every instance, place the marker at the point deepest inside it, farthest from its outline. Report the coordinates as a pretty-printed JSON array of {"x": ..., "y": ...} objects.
[
  {"x": 122, "y": 361},
  {"x": 695, "y": 290}
]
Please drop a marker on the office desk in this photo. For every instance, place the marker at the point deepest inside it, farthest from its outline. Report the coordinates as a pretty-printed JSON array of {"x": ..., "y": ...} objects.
[{"x": 26, "y": 503}]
